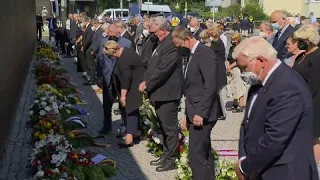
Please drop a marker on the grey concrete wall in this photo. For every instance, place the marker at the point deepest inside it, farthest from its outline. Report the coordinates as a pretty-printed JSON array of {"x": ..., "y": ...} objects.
[{"x": 17, "y": 43}]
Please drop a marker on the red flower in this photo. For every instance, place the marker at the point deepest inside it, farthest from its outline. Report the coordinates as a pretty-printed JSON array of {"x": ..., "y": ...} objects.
[
  {"x": 48, "y": 172},
  {"x": 34, "y": 163},
  {"x": 181, "y": 149}
]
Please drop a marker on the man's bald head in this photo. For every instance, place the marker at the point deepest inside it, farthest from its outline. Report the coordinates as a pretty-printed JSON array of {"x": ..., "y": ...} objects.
[
  {"x": 113, "y": 30},
  {"x": 280, "y": 17},
  {"x": 194, "y": 22}
]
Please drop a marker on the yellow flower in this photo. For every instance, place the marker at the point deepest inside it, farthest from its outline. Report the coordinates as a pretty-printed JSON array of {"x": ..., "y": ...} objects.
[
  {"x": 51, "y": 131},
  {"x": 54, "y": 121},
  {"x": 49, "y": 125},
  {"x": 43, "y": 136},
  {"x": 36, "y": 134},
  {"x": 71, "y": 135}
]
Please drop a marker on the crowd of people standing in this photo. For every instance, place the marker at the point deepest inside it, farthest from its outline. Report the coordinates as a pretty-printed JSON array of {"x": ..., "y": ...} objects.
[{"x": 279, "y": 136}]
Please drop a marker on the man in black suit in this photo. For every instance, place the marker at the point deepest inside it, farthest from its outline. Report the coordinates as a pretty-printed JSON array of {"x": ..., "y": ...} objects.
[
  {"x": 123, "y": 30},
  {"x": 39, "y": 26},
  {"x": 75, "y": 33},
  {"x": 276, "y": 141},
  {"x": 86, "y": 43},
  {"x": 163, "y": 83},
  {"x": 285, "y": 30},
  {"x": 195, "y": 27},
  {"x": 202, "y": 106},
  {"x": 91, "y": 40}
]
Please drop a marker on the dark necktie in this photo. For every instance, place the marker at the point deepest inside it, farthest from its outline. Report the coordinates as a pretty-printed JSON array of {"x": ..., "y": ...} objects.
[
  {"x": 186, "y": 64},
  {"x": 276, "y": 37}
]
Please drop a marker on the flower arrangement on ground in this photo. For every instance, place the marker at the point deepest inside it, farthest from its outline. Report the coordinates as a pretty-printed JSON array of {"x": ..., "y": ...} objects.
[
  {"x": 54, "y": 117},
  {"x": 223, "y": 169}
]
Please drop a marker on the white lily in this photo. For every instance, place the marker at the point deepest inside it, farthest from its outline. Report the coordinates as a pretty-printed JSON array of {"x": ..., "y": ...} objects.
[
  {"x": 42, "y": 113},
  {"x": 39, "y": 174},
  {"x": 48, "y": 109}
]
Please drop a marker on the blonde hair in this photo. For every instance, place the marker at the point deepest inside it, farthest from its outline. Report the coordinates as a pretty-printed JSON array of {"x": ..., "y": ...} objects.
[
  {"x": 204, "y": 35},
  {"x": 307, "y": 33},
  {"x": 220, "y": 27},
  {"x": 214, "y": 32},
  {"x": 236, "y": 37},
  {"x": 254, "y": 47},
  {"x": 110, "y": 47}
]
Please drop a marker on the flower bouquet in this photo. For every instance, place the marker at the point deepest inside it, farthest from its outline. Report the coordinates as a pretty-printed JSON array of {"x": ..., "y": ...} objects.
[
  {"x": 155, "y": 143},
  {"x": 47, "y": 126},
  {"x": 223, "y": 169},
  {"x": 148, "y": 117},
  {"x": 80, "y": 139},
  {"x": 46, "y": 52}
]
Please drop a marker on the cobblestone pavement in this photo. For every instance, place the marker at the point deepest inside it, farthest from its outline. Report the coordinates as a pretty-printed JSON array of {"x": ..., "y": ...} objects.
[{"x": 133, "y": 163}]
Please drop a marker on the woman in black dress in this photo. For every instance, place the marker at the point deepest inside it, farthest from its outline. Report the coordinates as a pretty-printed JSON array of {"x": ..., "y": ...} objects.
[
  {"x": 129, "y": 70},
  {"x": 218, "y": 47},
  {"x": 309, "y": 68}
]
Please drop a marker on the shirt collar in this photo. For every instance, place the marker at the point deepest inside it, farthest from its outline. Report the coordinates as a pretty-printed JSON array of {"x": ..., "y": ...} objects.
[
  {"x": 122, "y": 33},
  {"x": 282, "y": 30},
  {"x": 195, "y": 47},
  {"x": 270, "y": 72},
  {"x": 87, "y": 25}
]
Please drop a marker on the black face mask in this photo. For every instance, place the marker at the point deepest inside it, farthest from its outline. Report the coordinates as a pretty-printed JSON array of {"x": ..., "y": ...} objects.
[
  {"x": 233, "y": 43},
  {"x": 154, "y": 38},
  {"x": 113, "y": 38},
  {"x": 184, "y": 51}
]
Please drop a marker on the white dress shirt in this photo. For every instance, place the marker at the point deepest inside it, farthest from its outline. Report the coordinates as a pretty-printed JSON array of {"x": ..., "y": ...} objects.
[
  {"x": 254, "y": 98},
  {"x": 192, "y": 52}
]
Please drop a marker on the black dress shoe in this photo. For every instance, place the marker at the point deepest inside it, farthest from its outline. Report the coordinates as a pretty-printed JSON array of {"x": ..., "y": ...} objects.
[
  {"x": 167, "y": 166},
  {"x": 104, "y": 132},
  {"x": 158, "y": 162},
  {"x": 123, "y": 145},
  {"x": 89, "y": 83}
]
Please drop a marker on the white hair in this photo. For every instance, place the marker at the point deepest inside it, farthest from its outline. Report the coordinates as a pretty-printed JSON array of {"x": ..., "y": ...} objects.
[
  {"x": 254, "y": 47},
  {"x": 307, "y": 33},
  {"x": 105, "y": 26},
  {"x": 160, "y": 23}
]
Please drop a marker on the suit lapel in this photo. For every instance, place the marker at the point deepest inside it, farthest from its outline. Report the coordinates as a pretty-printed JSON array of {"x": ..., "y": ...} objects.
[{"x": 261, "y": 95}]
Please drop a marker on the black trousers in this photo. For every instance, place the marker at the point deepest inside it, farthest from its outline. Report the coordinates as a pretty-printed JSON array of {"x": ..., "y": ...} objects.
[
  {"x": 62, "y": 46},
  {"x": 70, "y": 49},
  {"x": 167, "y": 112},
  {"x": 39, "y": 33},
  {"x": 107, "y": 108},
  {"x": 132, "y": 124},
  {"x": 80, "y": 59},
  {"x": 91, "y": 67},
  {"x": 200, "y": 155},
  {"x": 251, "y": 28}
]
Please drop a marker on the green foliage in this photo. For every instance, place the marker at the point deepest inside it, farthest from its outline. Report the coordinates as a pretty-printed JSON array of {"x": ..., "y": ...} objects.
[
  {"x": 254, "y": 9},
  {"x": 93, "y": 172},
  {"x": 233, "y": 10},
  {"x": 289, "y": 14},
  {"x": 155, "y": 148}
]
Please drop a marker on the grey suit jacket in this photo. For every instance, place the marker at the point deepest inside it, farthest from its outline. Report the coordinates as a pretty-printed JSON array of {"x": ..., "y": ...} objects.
[
  {"x": 123, "y": 42},
  {"x": 96, "y": 38},
  {"x": 202, "y": 85},
  {"x": 138, "y": 32}
]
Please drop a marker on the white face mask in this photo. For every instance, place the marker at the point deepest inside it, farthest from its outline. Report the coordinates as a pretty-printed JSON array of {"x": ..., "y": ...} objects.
[
  {"x": 188, "y": 26},
  {"x": 93, "y": 28},
  {"x": 145, "y": 33},
  {"x": 250, "y": 78},
  {"x": 211, "y": 38},
  {"x": 262, "y": 34},
  {"x": 192, "y": 29},
  {"x": 104, "y": 34}
]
